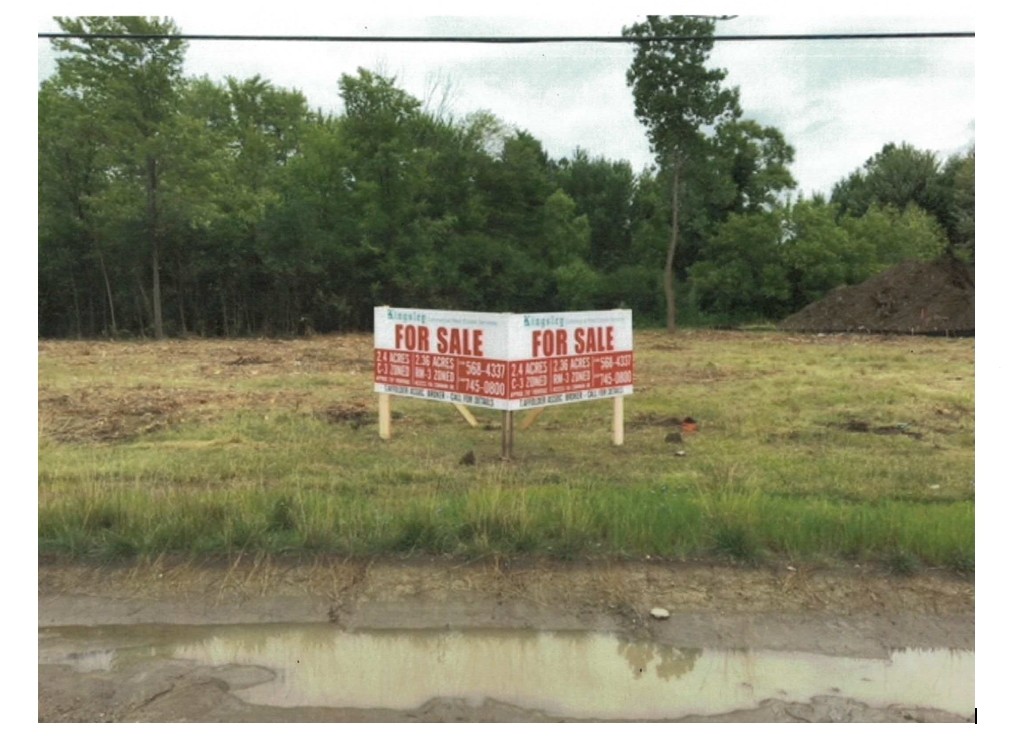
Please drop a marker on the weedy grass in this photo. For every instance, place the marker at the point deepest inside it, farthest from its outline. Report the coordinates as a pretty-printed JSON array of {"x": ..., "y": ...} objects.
[{"x": 808, "y": 448}]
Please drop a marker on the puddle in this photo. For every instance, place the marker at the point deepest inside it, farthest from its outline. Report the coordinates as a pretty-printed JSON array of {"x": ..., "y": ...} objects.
[{"x": 567, "y": 674}]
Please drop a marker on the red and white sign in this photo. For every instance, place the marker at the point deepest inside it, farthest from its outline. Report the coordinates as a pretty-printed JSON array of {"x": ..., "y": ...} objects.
[{"x": 505, "y": 361}]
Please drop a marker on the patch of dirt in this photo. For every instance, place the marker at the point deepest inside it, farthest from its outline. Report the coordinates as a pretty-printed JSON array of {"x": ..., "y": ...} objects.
[
  {"x": 356, "y": 415},
  {"x": 685, "y": 424},
  {"x": 118, "y": 391},
  {"x": 105, "y": 414},
  {"x": 862, "y": 426},
  {"x": 914, "y": 297},
  {"x": 838, "y": 611}
]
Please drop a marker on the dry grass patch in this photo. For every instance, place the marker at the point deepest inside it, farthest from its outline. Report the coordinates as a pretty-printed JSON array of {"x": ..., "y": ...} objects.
[{"x": 856, "y": 446}]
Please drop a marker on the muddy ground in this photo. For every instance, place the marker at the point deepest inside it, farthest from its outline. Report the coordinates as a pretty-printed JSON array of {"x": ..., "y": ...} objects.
[{"x": 843, "y": 611}]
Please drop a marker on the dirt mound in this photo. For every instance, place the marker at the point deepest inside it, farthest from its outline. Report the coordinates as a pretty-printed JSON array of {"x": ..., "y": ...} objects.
[{"x": 914, "y": 297}]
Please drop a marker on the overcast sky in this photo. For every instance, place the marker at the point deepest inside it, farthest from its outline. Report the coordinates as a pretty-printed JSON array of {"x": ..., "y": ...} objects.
[{"x": 836, "y": 102}]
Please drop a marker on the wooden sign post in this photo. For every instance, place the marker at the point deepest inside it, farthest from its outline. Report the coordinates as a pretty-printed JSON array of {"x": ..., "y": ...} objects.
[{"x": 507, "y": 436}]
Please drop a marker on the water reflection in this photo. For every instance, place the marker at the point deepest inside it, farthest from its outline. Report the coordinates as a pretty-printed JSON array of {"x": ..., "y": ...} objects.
[
  {"x": 671, "y": 662},
  {"x": 573, "y": 674}
]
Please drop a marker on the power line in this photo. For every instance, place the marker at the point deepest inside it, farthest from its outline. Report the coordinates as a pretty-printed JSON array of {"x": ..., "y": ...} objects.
[{"x": 520, "y": 40}]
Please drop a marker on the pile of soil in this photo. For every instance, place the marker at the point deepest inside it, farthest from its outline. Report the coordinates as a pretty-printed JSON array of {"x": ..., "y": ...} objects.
[{"x": 914, "y": 297}]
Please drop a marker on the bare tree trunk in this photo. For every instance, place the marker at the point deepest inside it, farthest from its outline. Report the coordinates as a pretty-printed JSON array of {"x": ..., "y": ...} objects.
[
  {"x": 144, "y": 307},
  {"x": 181, "y": 303},
  {"x": 109, "y": 292},
  {"x": 669, "y": 283},
  {"x": 225, "y": 315},
  {"x": 156, "y": 281},
  {"x": 77, "y": 307},
  {"x": 96, "y": 244}
]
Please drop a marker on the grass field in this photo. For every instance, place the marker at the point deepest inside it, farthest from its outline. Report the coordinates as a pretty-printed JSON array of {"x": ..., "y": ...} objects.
[{"x": 809, "y": 449}]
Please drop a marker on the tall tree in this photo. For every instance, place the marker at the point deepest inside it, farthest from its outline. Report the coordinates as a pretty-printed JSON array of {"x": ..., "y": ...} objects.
[
  {"x": 131, "y": 72},
  {"x": 678, "y": 98},
  {"x": 958, "y": 219},
  {"x": 71, "y": 180},
  {"x": 743, "y": 169},
  {"x": 896, "y": 176},
  {"x": 901, "y": 177},
  {"x": 603, "y": 192},
  {"x": 765, "y": 265},
  {"x": 251, "y": 129},
  {"x": 754, "y": 160}
]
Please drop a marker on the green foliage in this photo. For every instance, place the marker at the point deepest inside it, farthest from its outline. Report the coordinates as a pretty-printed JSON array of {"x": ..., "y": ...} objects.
[
  {"x": 131, "y": 86},
  {"x": 904, "y": 179},
  {"x": 896, "y": 176},
  {"x": 565, "y": 236},
  {"x": 768, "y": 264},
  {"x": 636, "y": 287},
  {"x": 170, "y": 205},
  {"x": 754, "y": 164},
  {"x": 744, "y": 273},
  {"x": 676, "y": 96},
  {"x": 577, "y": 286},
  {"x": 132, "y": 83},
  {"x": 885, "y": 236},
  {"x": 603, "y": 193},
  {"x": 958, "y": 215},
  {"x": 282, "y": 515},
  {"x": 818, "y": 254},
  {"x": 736, "y": 541}
]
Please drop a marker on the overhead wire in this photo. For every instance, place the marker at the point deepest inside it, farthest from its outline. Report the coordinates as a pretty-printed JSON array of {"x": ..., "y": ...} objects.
[{"x": 846, "y": 36}]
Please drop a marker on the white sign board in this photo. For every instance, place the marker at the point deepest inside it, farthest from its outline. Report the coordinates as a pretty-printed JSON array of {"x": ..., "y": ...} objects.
[{"x": 505, "y": 361}]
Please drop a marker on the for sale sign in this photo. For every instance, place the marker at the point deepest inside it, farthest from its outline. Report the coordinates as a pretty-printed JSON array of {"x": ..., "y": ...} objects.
[{"x": 505, "y": 361}]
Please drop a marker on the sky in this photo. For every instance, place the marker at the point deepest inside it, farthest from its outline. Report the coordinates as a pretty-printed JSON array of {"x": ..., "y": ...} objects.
[{"x": 837, "y": 102}]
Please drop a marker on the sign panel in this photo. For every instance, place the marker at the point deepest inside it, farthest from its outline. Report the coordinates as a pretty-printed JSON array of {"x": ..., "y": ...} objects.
[{"x": 505, "y": 361}]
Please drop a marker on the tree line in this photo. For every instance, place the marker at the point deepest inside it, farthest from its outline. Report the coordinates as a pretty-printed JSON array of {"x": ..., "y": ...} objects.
[{"x": 171, "y": 205}]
